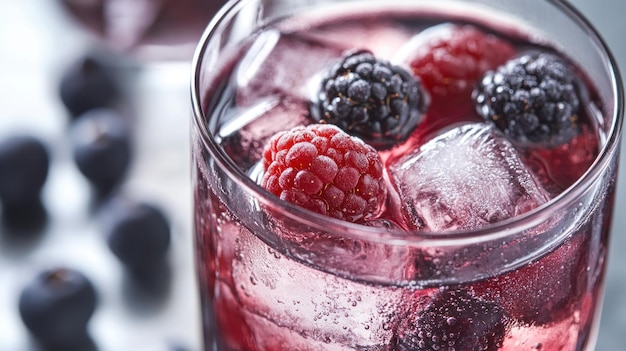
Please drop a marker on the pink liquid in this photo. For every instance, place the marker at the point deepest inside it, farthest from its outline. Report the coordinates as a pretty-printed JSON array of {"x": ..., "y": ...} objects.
[{"x": 258, "y": 298}]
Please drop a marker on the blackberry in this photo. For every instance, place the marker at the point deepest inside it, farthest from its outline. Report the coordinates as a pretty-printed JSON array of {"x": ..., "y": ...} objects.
[
  {"x": 456, "y": 320},
  {"x": 533, "y": 99},
  {"x": 370, "y": 98}
]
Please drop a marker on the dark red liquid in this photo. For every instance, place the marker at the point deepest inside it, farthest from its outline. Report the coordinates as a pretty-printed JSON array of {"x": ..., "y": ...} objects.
[{"x": 256, "y": 297}]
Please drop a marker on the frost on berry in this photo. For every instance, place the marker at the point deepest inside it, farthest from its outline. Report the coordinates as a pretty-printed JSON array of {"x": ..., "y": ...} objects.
[
  {"x": 325, "y": 170},
  {"x": 454, "y": 320},
  {"x": 450, "y": 60},
  {"x": 371, "y": 98},
  {"x": 534, "y": 99}
]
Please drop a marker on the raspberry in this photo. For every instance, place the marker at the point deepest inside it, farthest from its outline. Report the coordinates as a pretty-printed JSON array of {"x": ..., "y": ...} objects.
[
  {"x": 325, "y": 170},
  {"x": 455, "y": 320},
  {"x": 450, "y": 60},
  {"x": 371, "y": 99},
  {"x": 533, "y": 99}
]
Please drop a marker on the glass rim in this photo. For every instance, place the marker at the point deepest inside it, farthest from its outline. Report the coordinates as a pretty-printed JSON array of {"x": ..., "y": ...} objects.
[{"x": 494, "y": 231}]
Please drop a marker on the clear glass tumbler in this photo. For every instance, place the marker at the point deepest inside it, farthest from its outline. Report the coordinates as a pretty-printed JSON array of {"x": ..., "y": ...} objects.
[{"x": 276, "y": 276}]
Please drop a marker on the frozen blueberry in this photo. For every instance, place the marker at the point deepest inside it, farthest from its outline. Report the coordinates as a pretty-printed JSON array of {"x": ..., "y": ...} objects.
[
  {"x": 101, "y": 145},
  {"x": 87, "y": 84},
  {"x": 56, "y": 307},
  {"x": 138, "y": 234},
  {"x": 24, "y": 165}
]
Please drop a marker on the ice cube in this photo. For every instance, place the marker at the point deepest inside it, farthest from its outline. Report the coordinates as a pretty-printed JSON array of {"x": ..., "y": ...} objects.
[
  {"x": 294, "y": 64},
  {"x": 244, "y": 131},
  {"x": 463, "y": 179},
  {"x": 283, "y": 64},
  {"x": 383, "y": 38},
  {"x": 279, "y": 292}
]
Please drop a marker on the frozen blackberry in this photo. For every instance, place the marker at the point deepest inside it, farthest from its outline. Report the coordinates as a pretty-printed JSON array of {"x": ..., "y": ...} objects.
[
  {"x": 370, "y": 98},
  {"x": 533, "y": 99},
  {"x": 456, "y": 320}
]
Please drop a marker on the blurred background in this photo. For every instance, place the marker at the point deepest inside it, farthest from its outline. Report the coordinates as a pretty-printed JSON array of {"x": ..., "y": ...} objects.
[{"x": 150, "y": 51}]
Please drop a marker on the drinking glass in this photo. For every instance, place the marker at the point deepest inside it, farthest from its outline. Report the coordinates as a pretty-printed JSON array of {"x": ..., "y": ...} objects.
[
  {"x": 145, "y": 29},
  {"x": 274, "y": 276}
]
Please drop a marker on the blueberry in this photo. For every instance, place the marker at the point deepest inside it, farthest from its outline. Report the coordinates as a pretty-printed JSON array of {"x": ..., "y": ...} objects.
[
  {"x": 24, "y": 166},
  {"x": 24, "y": 218},
  {"x": 87, "y": 84},
  {"x": 101, "y": 145},
  {"x": 56, "y": 307},
  {"x": 138, "y": 234}
]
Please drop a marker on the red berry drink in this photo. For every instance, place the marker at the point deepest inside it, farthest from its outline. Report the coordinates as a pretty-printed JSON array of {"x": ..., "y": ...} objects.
[{"x": 417, "y": 176}]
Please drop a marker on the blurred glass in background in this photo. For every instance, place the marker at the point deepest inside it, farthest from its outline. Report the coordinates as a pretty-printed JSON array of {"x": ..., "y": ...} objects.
[{"x": 146, "y": 29}]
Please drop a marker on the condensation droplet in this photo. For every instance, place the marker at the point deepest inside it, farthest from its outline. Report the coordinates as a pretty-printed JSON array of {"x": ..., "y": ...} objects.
[{"x": 451, "y": 321}]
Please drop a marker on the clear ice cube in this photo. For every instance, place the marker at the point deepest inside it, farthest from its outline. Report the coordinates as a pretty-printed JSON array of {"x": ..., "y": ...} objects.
[
  {"x": 293, "y": 64},
  {"x": 281, "y": 295},
  {"x": 464, "y": 179},
  {"x": 270, "y": 67}
]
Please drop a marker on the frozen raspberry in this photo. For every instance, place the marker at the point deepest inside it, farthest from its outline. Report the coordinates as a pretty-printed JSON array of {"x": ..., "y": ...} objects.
[
  {"x": 451, "y": 59},
  {"x": 372, "y": 99},
  {"x": 455, "y": 320},
  {"x": 533, "y": 99},
  {"x": 325, "y": 170}
]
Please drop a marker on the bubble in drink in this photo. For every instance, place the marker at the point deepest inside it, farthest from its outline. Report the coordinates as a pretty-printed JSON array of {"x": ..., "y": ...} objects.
[{"x": 466, "y": 178}]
